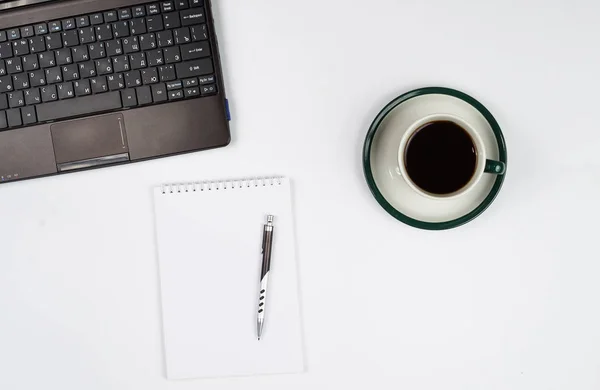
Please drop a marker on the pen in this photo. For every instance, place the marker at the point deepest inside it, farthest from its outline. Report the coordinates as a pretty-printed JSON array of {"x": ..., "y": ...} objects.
[{"x": 267, "y": 245}]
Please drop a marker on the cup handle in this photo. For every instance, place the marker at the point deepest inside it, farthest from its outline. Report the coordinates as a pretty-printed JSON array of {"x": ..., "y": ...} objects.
[{"x": 496, "y": 167}]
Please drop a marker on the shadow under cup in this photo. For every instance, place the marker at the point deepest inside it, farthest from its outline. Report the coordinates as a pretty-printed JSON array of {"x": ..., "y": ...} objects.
[{"x": 442, "y": 156}]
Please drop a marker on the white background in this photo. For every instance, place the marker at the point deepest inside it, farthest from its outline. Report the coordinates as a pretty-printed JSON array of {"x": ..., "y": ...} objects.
[{"x": 509, "y": 301}]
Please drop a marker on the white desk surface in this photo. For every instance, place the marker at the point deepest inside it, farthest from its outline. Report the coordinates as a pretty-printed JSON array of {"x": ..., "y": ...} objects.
[{"x": 509, "y": 301}]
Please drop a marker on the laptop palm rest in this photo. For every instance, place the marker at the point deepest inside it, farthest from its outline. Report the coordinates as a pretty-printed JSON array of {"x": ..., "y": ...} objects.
[{"x": 90, "y": 142}]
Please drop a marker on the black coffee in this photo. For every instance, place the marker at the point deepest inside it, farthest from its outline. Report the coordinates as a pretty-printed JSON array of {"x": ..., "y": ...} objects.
[{"x": 440, "y": 157}]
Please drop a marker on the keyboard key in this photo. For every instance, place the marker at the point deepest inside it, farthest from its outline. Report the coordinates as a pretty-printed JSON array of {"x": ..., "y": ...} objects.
[
  {"x": 70, "y": 38},
  {"x": 16, "y": 99},
  {"x": 27, "y": 32},
  {"x": 21, "y": 81},
  {"x": 206, "y": 80},
  {"x": 182, "y": 35},
  {"x": 144, "y": 95},
  {"x": 120, "y": 29},
  {"x": 114, "y": 48},
  {"x": 63, "y": 57},
  {"x": 133, "y": 79},
  {"x": 37, "y": 78},
  {"x": 167, "y": 73},
  {"x": 32, "y": 96},
  {"x": 110, "y": 16},
  {"x": 3, "y": 102},
  {"x": 41, "y": 29},
  {"x": 13, "y": 34},
  {"x": 3, "y": 121},
  {"x": 96, "y": 19},
  {"x": 47, "y": 59},
  {"x": 172, "y": 55},
  {"x": 137, "y": 26},
  {"x": 2, "y": 68},
  {"x": 165, "y": 38},
  {"x": 5, "y": 50},
  {"x": 153, "y": 9},
  {"x": 70, "y": 72},
  {"x": 167, "y": 6},
  {"x": 28, "y": 115},
  {"x": 87, "y": 35},
  {"x": 82, "y": 88},
  {"x": 121, "y": 64},
  {"x": 131, "y": 45},
  {"x": 195, "y": 50},
  {"x": 193, "y": 82},
  {"x": 176, "y": 95},
  {"x": 69, "y": 24},
  {"x": 97, "y": 50},
  {"x": 54, "y": 41},
  {"x": 139, "y": 11},
  {"x": 159, "y": 93},
  {"x": 171, "y": 20},
  {"x": 79, "y": 106},
  {"x": 124, "y": 14},
  {"x": 65, "y": 91},
  {"x": 104, "y": 33},
  {"x": 199, "y": 33},
  {"x": 194, "y": 68},
  {"x": 129, "y": 98},
  {"x": 83, "y": 21},
  {"x": 148, "y": 41},
  {"x": 104, "y": 66},
  {"x": 37, "y": 45},
  {"x": 55, "y": 26},
  {"x": 181, "y": 4},
  {"x": 21, "y": 47},
  {"x": 171, "y": 85},
  {"x": 14, "y": 65},
  {"x": 13, "y": 117},
  {"x": 3, "y": 36},
  {"x": 115, "y": 82},
  {"x": 30, "y": 63},
  {"x": 192, "y": 16},
  {"x": 80, "y": 54},
  {"x": 196, "y": 3},
  {"x": 191, "y": 92},
  {"x": 99, "y": 84},
  {"x": 154, "y": 23},
  {"x": 150, "y": 76},
  {"x": 87, "y": 69},
  {"x": 209, "y": 89},
  {"x": 138, "y": 61},
  {"x": 54, "y": 75},
  {"x": 49, "y": 93}
]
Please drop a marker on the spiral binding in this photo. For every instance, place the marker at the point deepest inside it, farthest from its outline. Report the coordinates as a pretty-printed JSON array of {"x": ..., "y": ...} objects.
[{"x": 221, "y": 185}]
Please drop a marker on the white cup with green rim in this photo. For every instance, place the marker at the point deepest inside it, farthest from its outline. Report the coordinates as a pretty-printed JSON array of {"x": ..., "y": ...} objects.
[{"x": 442, "y": 156}]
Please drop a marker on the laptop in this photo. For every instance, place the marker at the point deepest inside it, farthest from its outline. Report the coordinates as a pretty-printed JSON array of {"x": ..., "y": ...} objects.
[{"x": 93, "y": 83}]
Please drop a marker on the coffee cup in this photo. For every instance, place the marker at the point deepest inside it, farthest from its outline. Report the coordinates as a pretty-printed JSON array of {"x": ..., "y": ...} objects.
[{"x": 442, "y": 156}]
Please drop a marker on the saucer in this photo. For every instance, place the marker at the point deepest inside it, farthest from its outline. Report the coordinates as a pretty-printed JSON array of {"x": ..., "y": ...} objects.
[{"x": 383, "y": 175}]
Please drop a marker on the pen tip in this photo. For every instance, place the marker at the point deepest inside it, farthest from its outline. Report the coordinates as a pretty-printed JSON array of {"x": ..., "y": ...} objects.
[{"x": 259, "y": 339}]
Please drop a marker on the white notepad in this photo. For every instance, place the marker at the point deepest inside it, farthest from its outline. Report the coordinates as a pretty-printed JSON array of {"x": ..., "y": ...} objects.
[{"x": 209, "y": 247}]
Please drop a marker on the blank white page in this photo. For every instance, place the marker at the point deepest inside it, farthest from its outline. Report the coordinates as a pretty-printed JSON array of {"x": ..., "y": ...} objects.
[{"x": 209, "y": 247}]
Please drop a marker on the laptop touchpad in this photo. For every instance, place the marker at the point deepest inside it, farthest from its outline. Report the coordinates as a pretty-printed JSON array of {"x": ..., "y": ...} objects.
[{"x": 89, "y": 142}]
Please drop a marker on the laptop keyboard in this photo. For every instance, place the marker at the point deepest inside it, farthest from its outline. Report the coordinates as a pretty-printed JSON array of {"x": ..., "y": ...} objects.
[{"x": 107, "y": 61}]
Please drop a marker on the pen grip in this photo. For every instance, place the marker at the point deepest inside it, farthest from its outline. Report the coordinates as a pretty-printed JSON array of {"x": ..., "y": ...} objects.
[{"x": 267, "y": 248}]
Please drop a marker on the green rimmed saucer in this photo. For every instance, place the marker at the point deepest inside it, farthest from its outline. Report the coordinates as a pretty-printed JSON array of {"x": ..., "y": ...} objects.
[{"x": 380, "y": 159}]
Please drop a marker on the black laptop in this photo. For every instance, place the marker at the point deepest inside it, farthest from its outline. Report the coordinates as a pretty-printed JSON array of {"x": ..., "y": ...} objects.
[{"x": 93, "y": 83}]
